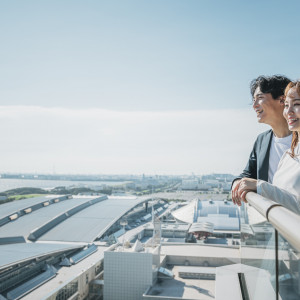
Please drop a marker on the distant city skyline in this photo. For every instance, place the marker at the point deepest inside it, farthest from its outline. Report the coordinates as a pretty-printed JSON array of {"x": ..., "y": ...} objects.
[{"x": 119, "y": 87}]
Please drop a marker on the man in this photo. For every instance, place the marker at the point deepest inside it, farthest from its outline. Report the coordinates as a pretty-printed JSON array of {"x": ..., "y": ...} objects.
[{"x": 268, "y": 103}]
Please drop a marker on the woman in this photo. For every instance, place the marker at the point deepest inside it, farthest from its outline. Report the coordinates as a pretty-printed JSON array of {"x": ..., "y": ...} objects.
[{"x": 286, "y": 182}]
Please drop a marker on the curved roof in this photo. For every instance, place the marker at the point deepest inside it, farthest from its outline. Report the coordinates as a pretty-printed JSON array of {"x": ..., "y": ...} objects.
[
  {"x": 223, "y": 214},
  {"x": 62, "y": 230},
  {"x": 186, "y": 213},
  {"x": 92, "y": 222},
  {"x": 25, "y": 224},
  {"x": 81, "y": 219},
  {"x": 16, "y": 253},
  {"x": 15, "y": 206},
  {"x": 22, "y": 207}
]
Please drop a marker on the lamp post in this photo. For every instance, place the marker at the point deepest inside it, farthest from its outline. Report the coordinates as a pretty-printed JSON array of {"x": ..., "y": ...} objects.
[{"x": 123, "y": 223}]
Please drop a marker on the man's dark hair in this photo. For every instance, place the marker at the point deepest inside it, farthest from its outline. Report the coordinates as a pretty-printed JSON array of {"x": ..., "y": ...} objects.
[{"x": 275, "y": 85}]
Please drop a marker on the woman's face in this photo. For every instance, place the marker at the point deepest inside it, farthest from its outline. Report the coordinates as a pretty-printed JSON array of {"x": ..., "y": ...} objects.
[{"x": 292, "y": 109}]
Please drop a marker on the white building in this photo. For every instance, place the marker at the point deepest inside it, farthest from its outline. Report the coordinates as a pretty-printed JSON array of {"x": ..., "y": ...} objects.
[
  {"x": 128, "y": 272},
  {"x": 194, "y": 184}
]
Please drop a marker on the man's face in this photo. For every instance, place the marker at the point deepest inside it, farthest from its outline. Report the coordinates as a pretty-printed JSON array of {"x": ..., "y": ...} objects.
[{"x": 267, "y": 109}]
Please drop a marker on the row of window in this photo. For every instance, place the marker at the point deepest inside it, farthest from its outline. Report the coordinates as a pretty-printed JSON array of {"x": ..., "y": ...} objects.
[{"x": 67, "y": 291}]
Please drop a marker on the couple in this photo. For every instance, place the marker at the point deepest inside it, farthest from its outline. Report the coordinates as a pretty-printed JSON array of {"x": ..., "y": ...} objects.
[{"x": 273, "y": 169}]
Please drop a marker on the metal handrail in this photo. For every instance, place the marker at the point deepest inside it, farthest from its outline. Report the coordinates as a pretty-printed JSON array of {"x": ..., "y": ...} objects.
[{"x": 283, "y": 220}]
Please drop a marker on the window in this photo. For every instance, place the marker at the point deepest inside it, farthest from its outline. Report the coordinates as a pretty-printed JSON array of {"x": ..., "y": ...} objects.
[{"x": 67, "y": 291}]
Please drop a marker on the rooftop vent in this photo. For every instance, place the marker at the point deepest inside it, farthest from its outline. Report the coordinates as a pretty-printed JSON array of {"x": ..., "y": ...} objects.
[{"x": 13, "y": 217}]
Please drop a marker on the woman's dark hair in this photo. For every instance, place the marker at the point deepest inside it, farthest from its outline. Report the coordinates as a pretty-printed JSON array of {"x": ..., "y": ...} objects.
[
  {"x": 295, "y": 139},
  {"x": 275, "y": 85}
]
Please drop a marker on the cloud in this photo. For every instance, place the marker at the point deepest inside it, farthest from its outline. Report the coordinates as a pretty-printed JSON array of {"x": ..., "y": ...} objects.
[{"x": 35, "y": 139}]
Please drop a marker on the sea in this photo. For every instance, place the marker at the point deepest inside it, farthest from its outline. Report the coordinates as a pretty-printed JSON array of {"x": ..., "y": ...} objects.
[{"x": 8, "y": 184}]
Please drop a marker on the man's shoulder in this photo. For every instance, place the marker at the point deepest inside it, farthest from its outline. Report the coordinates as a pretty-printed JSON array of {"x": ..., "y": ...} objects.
[{"x": 266, "y": 134}]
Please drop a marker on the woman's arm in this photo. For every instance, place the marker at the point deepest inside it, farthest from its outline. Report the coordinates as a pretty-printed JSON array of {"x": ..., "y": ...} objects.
[
  {"x": 278, "y": 195},
  {"x": 270, "y": 191}
]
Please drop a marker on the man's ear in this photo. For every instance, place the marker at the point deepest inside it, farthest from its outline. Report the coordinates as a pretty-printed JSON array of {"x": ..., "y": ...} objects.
[{"x": 281, "y": 100}]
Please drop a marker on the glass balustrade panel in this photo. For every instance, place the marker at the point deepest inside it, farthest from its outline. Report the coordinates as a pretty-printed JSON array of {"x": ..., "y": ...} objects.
[
  {"x": 289, "y": 267},
  {"x": 257, "y": 255}
]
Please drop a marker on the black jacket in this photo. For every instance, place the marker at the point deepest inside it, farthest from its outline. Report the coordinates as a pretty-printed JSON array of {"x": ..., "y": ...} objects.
[{"x": 258, "y": 164}]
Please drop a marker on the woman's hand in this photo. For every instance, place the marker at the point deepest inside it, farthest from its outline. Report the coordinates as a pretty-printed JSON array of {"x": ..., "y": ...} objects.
[{"x": 246, "y": 185}]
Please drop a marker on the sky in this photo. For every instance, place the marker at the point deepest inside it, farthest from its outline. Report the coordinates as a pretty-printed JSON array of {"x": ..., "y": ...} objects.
[{"x": 120, "y": 87}]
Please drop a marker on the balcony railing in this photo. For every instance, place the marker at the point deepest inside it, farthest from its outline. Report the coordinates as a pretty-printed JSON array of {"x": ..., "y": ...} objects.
[
  {"x": 270, "y": 239},
  {"x": 286, "y": 222}
]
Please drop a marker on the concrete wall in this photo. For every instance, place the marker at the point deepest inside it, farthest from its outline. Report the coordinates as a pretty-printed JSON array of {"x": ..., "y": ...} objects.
[
  {"x": 127, "y": 275},
  {"x": 167, "y": 233},
  {"x": 83, "y": 280},
  {"x": 199, "y": 261}
]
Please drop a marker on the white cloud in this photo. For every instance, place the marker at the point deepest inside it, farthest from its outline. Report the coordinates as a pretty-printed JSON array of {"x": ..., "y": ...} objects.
[{"x": 34, "y": 139}]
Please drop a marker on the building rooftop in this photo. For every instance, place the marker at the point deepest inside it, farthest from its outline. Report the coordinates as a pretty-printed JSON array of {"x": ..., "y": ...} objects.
[
  {"x": 136, "y": 247},
  {"x": 200, "y": 250},
  {"x": 13, "y": 254},
  {"x": 64, "y": 275},
  {"x": 183, "y": 288},
  {"x": 223, "y": 214},
  {"x": 80, "y": 219},
  {"x": 15, "y": 206},
  {"x": 25, "y": 224},
  {"x": 91, "y": 222}
]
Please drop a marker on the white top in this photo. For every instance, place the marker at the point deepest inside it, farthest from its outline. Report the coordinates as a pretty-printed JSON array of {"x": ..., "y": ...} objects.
[
  {"x": 278, "y": 147},
  {"x": 286, "y": 183}
]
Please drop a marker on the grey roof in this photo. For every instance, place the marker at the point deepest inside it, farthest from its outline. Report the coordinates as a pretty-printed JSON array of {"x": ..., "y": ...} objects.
[
  {"x": 13, "y": 210},
  {"x": 83, "y": 225},
  {"x": 83, "y": 254},
  {"x": 31, "y": 284},
  {"x": 91, "y": 222},
  {"x": 9, "y": 208},
  {"x": 16, "y": 253},
  {"x": 25, "y": 224}
]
